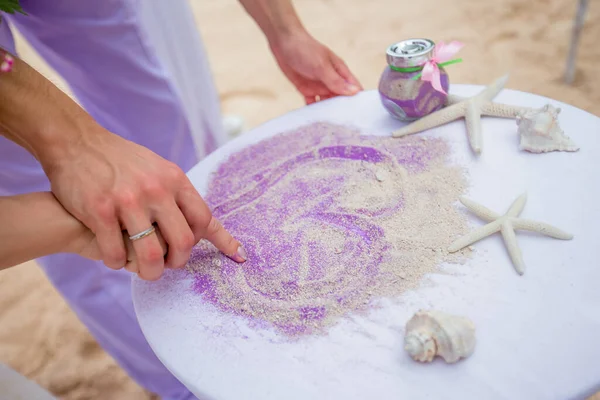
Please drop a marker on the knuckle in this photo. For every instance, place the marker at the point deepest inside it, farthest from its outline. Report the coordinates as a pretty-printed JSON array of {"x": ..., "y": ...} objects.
[
  {"x": 213, "y": 227},
  {"x": 232, "y": 243},
  {"x": 184, "y": 243},
  {"x": 174, "y": 173},
  {"x": 188, "y": 240},
  {"x": 321, "y": 68},
  {"x": 128, "y": 199},
  {"x": 188, "y": 188},
  {"x": 103, "y": 208},
  {"x": 155, "y": 189},
  {"x": 152, "y": 255}
]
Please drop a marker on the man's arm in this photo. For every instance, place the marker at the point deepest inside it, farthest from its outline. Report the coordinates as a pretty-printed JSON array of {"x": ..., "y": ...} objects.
[
  {"x": 106, "y": 182},
  {"x": 38, "y": 116}
]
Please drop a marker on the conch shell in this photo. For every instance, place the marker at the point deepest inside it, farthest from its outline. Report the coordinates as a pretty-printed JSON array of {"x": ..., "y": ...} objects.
[
  {"x": 431, "y": 333},
  {"x": 540, "y": 132}
]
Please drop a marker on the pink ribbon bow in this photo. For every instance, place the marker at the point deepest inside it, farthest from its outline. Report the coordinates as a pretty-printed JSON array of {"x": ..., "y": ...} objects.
[
  {"x": 6, "y": 63},
  {"x": 441, "y": 53}
]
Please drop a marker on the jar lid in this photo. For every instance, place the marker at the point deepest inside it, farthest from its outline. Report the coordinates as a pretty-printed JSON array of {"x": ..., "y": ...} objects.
[{"x": 410, "y": 53}]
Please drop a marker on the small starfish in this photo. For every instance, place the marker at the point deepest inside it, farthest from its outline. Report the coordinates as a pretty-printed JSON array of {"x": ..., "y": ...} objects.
[
  {"x": 507, "y": 224},
  {"x": 471, "y": 108}
]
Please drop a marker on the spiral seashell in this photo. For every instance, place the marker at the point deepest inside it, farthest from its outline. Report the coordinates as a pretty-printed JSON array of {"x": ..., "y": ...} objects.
[
  {"x": 540, "y": 132},
  {"x": 431, "y": 333}
]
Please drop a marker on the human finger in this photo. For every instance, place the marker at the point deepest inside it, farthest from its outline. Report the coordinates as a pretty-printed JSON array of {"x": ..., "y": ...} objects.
[
  {"x": 327, "y": 95},
  {"x": 342, "y": 69},
  {"x": 148, "y": 252},
  {"x": 132, "y": 264},
  {"x": 318, "y": 98},
  {"x": 310, "y": 89},
  {"x": 177, "y": 233},
  {"x": 334, "y": 81},
  {"x": 132, "y": 267},
  {"x": 110, "y": 243},
  {"x": 206, "y": 226},
  {"x": 216, "y": 233}
]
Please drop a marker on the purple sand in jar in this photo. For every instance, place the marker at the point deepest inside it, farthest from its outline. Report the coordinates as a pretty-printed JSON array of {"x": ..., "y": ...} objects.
[
  {"x": 323, "y": 233},
  {"x": 402, "y": 96}
]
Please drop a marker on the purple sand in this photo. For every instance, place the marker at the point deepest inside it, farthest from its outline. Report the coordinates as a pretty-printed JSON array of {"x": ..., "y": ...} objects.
[
  {"x": 421, "y": 100},
  {"x": 244, "y": 197}
]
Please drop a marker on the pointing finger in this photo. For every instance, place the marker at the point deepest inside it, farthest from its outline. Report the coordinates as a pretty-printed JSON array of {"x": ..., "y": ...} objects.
[{"x": 205, "y": 226}]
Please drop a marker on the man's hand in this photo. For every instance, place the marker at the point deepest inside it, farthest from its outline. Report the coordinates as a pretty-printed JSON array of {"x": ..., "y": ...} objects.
[
  {"x": 86, "y": 245},
  {"x": 108, "y": 183},
  {"x": 314, "y": 69},
  {"x": 111, "y": 184}
]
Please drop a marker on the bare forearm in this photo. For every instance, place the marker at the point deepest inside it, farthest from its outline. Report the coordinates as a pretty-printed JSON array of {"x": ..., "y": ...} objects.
[
  {"x": 37, "y": 115},
  {"x": 276, "y": 18},
  {"x": 35, "y": 225}
]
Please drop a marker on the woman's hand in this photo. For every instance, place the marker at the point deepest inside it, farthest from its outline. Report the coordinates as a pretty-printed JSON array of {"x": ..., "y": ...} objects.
[{"x": 314, "y": 69}]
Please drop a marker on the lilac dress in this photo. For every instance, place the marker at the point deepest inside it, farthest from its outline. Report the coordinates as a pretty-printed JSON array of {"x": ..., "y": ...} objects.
[{"x": 104, "y": 52}]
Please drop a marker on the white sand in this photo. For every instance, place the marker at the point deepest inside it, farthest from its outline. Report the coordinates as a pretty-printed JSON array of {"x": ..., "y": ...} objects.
[{"x": 41, "y": 338}]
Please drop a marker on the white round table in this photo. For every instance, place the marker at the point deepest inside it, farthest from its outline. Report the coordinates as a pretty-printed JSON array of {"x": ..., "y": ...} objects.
[{"x": 537, "y": 333}]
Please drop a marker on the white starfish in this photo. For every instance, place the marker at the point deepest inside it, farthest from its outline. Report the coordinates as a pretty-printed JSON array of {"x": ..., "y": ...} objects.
[
  {"x": 471, "y": 109},
  {"x": 507, "y": 224},
  {"x": 491, "y": 109}
]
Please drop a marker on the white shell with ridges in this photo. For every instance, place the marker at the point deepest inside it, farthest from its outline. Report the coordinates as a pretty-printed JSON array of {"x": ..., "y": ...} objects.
[
  {"x": 540, "y": 132},
  {"x": 431, "y": 333}
]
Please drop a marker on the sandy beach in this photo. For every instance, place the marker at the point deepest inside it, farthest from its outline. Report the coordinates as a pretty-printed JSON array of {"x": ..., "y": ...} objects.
[{"x": 43, "y": 339}]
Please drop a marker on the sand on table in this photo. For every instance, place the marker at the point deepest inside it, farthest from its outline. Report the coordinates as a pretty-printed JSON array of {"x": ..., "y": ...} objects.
[
  {"x": 346, "y": 219},
  {"x": 41, "y": 337}
]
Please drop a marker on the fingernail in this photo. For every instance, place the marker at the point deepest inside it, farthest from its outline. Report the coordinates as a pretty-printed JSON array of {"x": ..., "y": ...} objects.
[
  {"x": 240, "y": 255},
  {"x": 351, "y": 89}
]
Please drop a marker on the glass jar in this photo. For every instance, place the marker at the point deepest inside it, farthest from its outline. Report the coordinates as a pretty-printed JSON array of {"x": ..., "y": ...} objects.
[{"x": 405, "y": 98}]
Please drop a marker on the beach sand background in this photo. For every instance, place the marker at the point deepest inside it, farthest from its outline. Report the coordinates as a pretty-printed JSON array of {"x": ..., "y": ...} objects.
[{"x": 42, "y": 338}]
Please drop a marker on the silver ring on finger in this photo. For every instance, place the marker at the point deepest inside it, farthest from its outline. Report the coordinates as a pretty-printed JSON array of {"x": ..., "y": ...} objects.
[{"x": 143, "y": 234}]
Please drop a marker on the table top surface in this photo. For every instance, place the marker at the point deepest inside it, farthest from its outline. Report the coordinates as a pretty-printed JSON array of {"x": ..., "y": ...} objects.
[{"x": 536, "y": 333}]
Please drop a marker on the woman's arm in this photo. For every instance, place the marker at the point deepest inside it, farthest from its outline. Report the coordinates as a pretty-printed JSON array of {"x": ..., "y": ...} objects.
[
  {"x": 276, "y": 18},
  {"x": 316, "y": 71},
  {"x": 35, "y": 225}
]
